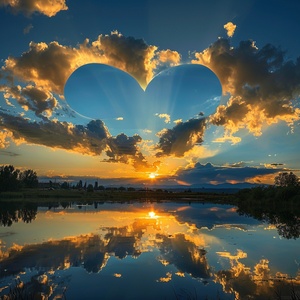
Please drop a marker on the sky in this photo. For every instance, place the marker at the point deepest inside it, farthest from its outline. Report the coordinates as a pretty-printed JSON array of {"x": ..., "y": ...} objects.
[{"x": 159, "y": 92}]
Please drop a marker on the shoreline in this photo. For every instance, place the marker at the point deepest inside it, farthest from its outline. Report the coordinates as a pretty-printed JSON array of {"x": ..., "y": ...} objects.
[{"x": 84, "y": 196}]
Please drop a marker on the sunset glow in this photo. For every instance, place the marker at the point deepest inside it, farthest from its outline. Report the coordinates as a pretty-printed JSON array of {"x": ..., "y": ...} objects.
[
  {"x": 152, "y": 175},
  {"x": 95, "y": 98}
]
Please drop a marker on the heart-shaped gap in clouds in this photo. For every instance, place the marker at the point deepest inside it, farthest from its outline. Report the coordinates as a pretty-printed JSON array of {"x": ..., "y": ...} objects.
[{"x": 99, "y": 91}]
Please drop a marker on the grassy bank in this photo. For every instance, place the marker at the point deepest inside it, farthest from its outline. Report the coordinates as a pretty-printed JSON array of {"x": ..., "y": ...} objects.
[{"x": 34, "y": 195}]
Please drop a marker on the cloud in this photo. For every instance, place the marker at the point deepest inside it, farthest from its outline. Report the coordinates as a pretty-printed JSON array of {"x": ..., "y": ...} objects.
[
  {"x": 244, "y": 282},
  {"x": 167, "y": 58},
  {"x": 128, "y": 54},
  {"x": 125, "y": 149},
  {"x": 50, "y": 65},
  {"x": 184, "y": 255},
  {"x": 167, "y": 117},
  {"x": 29, "y": 97},
  {"x": 90, "y": 139},
  {"x": 181, "y": 138},
  {"x": 27, "y": 29},
  {"x": 7, "y": 153},
  {"x": 263, "y": 85},
  {"x": 48, "y": 8},
  {"x": 208, "y": 173},
  {"x": 4, "y": 136},
  {"x": 230, "y": 29},
  {"x": 34, "y": 78}
]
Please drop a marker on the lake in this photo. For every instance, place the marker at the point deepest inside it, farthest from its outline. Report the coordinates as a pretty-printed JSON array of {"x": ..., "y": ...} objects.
[{"x": 143, "y": 250}]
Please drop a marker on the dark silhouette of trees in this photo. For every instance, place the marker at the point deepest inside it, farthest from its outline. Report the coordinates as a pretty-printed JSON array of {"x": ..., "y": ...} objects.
[
  {"x": 12, "y": 179},
  {"x": 286, "y": 179},
  {"x": 65, "y": 185},
  {"x": 79, "y": 185},
  {"x": 9, "y": 178},
  {"x": 90, "y": 188},
  {"x": 29, "y": 179},
  {"x": 16, "y": 211}
]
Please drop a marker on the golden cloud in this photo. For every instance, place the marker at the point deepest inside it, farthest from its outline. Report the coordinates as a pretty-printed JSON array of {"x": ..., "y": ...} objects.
[
  {"x": 48, "y": 8},
  {"x": 262, "y": 85},
  {"x": 230, "y": 28}
]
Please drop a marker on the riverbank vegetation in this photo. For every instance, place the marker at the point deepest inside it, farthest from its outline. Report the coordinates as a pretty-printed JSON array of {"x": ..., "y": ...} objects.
[{"x": 17, "y": 185}]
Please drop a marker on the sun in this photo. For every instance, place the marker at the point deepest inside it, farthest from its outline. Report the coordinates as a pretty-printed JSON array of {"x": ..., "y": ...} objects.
[{"x": 152, "y": 175}]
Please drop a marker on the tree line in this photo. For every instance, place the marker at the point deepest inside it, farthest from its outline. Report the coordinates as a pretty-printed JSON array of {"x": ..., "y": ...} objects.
[
  {"x": 12, "y": 179},
  {"x": 286, "y": 188}
]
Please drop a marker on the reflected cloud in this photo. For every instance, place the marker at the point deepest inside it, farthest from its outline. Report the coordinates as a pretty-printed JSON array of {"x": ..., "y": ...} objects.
[
  {"x": 167, "y": 278},
  {"x": 257, "y": 283},
  {"x": 172, "y": 236},
  {"x": 185, "y": 255}
]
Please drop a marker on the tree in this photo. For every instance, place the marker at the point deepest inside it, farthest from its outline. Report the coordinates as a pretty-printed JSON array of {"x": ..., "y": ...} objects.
[
  {"x": 65, "y": 185},
  {"x": 9, "y": 178},
  {"x": 286, "y": 179},
  {"x": 90, "y": 188},
  {"x": 79, "y": 185},
  {"x": 29, "y": 179}
]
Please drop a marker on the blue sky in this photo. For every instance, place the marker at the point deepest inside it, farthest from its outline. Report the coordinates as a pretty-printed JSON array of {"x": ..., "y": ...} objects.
[{"x": 191, "y": 92}]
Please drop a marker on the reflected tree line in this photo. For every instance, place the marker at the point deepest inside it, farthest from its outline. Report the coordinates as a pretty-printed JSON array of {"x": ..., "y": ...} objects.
[
  {"x": 285, "y": 216},
  {"x": 277, "y": 204},
  {"x": 15, "y": 211}
]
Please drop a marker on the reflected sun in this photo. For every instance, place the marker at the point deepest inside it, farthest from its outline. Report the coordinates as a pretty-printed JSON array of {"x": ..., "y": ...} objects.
[{"x": 152, "y": 214}]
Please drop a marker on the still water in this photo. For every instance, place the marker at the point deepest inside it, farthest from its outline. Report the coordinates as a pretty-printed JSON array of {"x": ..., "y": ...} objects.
[{"x": 144, "y": 251}]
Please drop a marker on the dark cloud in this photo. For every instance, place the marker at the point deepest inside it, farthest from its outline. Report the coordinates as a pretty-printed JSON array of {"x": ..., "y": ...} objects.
[
  {"x": 8, "y": 153},
  {"x": 184, "y": 254},
  {"x": 181, "y": 138},
  {"x": 38, "y": 100},
  {"x": 128, "y": 53},
  {"x": 58, "y": 134},
  {"x": 91, "y": 139},
  {"x": 125, "y": 149},
  {"x": 263, "y": 85},
  {"x": 205, "y": 174}
]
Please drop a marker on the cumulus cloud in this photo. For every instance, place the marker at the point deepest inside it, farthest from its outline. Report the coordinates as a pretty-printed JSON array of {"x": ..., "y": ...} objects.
[
  {"x": 48, "y": 8},
  {"x": 40, "y": 101},
  {"x": 230, "y": 29},
  {"x": 50, "y": 65},
  {"x": 168, "y": 58},
  {"x": 244, "y": 282},
  {"x": 90, "y": 139},
  {"x": 129, "y": 54},
  {"x": 167, "y": 117},
  {"x": 263, "y": 86},
  {"x": 184, "y": 254},
  {"x": 208, "y": 173},
  {"x": 181, "y": 138},
  {"x": 123, "y": 148}
]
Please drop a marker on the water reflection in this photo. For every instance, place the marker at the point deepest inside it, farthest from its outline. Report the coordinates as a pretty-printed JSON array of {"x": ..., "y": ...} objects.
[
  {"x": 285, "y": 219},
  {"x": 144, "y": 251},
  {"x": 13, "y": 212},
  {"x": 257, "y": 282}
]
